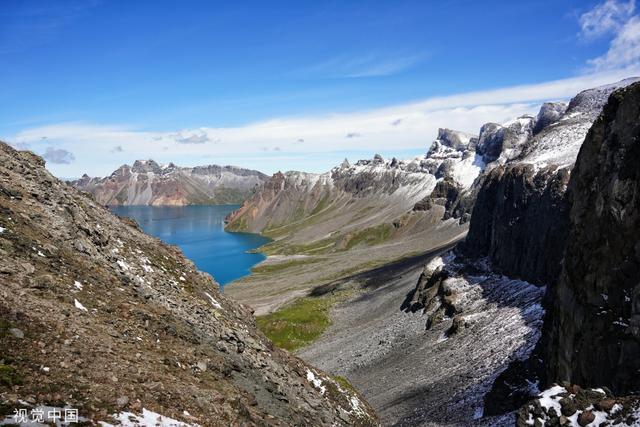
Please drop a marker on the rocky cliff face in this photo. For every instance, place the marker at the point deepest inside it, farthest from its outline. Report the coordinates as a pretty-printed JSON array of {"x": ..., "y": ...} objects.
[
  {"x": 148, "y": 183},
  {"x": 520, "y": 215},
  {"x": 519, "y": 228},
  {"x": 519, "y": 222},
  {"x": 98, "y": 316},
  {"x": 595, "y": 329},
  {"x": 591, "y": 334}
]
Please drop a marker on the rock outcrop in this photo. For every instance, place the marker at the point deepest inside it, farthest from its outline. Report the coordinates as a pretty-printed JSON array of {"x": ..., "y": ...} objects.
[
  {"x": 519, "y": 222},
  {"x": 520, "y": 215},
  {"x": 594, "y": 336},
  {"x": 148, "y": 183},
  {"x": 98, "y": 316},
  {"x": 519, "y": 228},
  {"x": 572, "y": 405}
]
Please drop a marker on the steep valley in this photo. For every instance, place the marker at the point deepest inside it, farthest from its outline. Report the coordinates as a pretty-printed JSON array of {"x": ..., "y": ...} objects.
[
  {"x": 460, "y": 340},
  {"x": 492, "y": 281},
  {"x": 351, "y": 219}
]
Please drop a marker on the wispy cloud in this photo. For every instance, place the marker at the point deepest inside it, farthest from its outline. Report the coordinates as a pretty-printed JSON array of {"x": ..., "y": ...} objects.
[
  {"x": 613, "y": 18},
  {"x": 197, "y": 136},
  {"x": 605, "y": 18},
  {"x": 302, "y": 138},
  {"x": 58, "y": 156},
  {"x": 369, "y": 65}
]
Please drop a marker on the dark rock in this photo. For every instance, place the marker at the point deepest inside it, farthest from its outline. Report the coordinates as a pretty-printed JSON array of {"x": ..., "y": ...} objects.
[
  {"x": 519, "y": 221},
  {"x": 490, "y": 141},
  {"x": 549, "y": 113},
  {"x": 568, "y": 406},
  {"x": 594, "y": 335},
  {"x": 457, "y": 325},
  {"x": 586, "y": 417},
  {"x": 605, "y": 405}
]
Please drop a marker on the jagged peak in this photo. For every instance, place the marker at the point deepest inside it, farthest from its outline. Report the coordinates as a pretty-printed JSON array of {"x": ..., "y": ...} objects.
[
  {"x": 142, "y": 166},
  {"x": 591, "y": 101},
  {"x": 456, "y": 139},
  {"x": 550, "y": 112}
]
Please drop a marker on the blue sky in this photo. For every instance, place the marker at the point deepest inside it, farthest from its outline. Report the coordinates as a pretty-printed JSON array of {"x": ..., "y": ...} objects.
[{"x": 290, "y": 84}]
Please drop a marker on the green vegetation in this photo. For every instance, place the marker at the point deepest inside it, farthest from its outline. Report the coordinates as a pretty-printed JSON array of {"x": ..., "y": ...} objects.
[
  {"x": 299, "y": 323},
  {"x": 4, "y": 328},
  {"x": 280, "y": 266},
  {"x": 9, "y": 376},
  {"x": 317, "y": 247},
  {"x": 238, "y": 224},
  {"x": 322, "y": 204},
  {"x": 369, "y": 236},
  {"x": 344, "y": 383}
]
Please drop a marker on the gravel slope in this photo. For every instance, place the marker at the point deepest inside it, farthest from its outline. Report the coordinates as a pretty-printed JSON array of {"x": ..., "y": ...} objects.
[{"x": 413, "y": 376}]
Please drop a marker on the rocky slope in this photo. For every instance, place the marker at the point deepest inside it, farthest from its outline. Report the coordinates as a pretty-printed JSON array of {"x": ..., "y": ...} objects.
[
  {"x": 438, "y": 376},
  {"x": 148, "y": 183},
  {"x": 372, "y": 210},
  {"x": 98, "y": 316}
]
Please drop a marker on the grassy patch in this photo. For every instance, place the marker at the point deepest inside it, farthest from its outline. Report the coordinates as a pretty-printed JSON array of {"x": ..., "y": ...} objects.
[
  {"x": 277, "y": 267},
  {"x": 344, "y": 383},
  {"x": 4, "y": 328},
  {"x": 297, "y": 324},
  {"x": 238, "y": 224},
  {"x": 9, "y": 376},
  {"x": 317, "y": 247},
  {"x": 369, "y": 236}
]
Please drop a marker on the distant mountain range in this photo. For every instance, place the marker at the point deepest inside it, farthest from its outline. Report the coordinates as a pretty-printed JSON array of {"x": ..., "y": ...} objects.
[{"x": 149, "y": 183}]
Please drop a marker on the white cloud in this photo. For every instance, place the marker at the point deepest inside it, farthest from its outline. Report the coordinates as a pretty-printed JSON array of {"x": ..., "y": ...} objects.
[
  {"x": 606, "y": 17},
  {"x": 197, "y": 136},
  {"x": 624, "y": 50},
  {"x": 58, "y": 155},
  {"x": 616, "y": 18},
  {"x": 370, "y": 65},
  {"x": 315, "y": 143}
]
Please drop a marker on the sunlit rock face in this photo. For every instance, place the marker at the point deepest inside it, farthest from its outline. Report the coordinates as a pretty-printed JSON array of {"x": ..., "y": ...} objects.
[{"x": 148, "y": 183}]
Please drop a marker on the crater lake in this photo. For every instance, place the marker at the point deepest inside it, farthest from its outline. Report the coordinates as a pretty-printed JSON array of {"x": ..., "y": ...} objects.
[{"x": 199, "y": 232}]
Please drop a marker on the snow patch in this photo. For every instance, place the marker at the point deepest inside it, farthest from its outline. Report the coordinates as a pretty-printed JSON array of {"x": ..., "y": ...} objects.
[
  {"x": 147, "y": 419},
  {"x": 123, "y": 265},
  {"x": 550, "y": 398},
  {"x": 77, "y": 285},
  {"x": 79, "y": 305},
  {"x": 214, "y": 303},
  {"x": 356, "y": 407},
  {"x": 2, "y": 230},
  {"x": 317, "y": 382}
]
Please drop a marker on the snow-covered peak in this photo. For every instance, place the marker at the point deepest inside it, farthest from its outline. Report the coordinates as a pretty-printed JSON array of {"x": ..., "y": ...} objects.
[
  {"x": 549, "y": 113},
  {"x": 591, "y": 101},
  {"x": 456, "y": 140},
  {"x": 558, "y": 143}
]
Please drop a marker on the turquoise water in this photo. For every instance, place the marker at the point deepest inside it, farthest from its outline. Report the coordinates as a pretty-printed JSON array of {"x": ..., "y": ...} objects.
[{"x": 199, "y": 232}]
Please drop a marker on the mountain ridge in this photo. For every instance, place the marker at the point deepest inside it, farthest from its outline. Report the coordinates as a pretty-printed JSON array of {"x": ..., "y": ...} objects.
[{"x": 148, "y": 183}]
